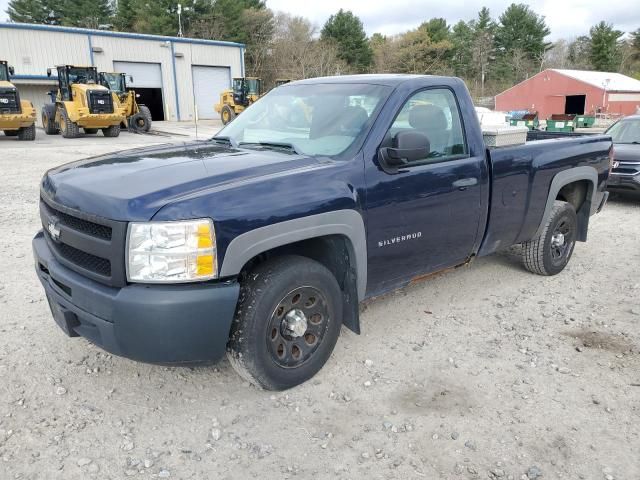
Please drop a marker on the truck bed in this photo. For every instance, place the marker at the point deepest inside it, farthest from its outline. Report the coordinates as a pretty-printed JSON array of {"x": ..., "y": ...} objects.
[{"x": 521, "y": 179}]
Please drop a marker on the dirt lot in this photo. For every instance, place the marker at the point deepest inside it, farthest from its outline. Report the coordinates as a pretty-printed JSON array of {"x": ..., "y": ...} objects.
[{"x": 484, "y": 372}]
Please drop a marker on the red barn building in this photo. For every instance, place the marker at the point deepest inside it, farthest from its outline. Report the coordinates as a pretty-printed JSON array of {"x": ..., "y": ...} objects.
[{"x": 573, "y": 91}]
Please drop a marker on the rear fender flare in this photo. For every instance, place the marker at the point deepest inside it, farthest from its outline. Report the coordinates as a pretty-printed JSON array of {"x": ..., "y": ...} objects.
[
  {"x": 564, "y": 178},
  {"x": 341, "y": 222}
]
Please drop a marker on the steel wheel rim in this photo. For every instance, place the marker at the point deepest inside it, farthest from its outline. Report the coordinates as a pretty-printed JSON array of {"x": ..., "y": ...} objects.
[
  {"x": 225, "y": 116},
  {"x": 561, "y": 241},
  {"x": 289, "y": 345}
]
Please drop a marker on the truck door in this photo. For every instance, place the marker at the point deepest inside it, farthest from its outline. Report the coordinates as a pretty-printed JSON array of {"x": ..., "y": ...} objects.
[{"x": 423, "y": 216}]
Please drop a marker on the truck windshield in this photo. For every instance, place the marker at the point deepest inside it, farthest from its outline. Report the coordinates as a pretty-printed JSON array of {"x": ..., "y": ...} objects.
[
  {"x": 625, "y": 131},
  {"x": 82, "y": 75},
  {"x": 113, "y": 81},
  {"x": 4, "y": 73},
  {"x": 316, "y": 119}
]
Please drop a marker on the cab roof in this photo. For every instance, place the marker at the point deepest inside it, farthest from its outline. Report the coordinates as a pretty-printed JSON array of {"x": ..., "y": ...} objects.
[{"x": 387, "y": 79}]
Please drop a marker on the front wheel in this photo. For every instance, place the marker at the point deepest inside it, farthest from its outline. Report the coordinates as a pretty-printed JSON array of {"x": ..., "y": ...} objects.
[
  {"x": 227, "y": 114},
  {"x": 551, "y": 252},
  {"x": 287, "y": 322}
]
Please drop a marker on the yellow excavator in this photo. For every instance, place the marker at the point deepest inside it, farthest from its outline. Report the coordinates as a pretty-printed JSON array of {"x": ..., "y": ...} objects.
[
  {"x": 17, "y": 117},
  {"x": 138, "y": 116},
  {"x": 81, "y": 102},
  {"x": 234, "y": 100}
]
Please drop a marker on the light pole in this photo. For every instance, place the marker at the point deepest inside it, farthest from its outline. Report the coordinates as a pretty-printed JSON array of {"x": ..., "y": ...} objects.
[
  {"x": 605, "y": 84},
  {"x": 180, "y": 20}
]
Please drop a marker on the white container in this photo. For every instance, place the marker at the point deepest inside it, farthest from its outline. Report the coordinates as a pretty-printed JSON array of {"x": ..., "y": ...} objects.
[{"x": 503, "y": 136}]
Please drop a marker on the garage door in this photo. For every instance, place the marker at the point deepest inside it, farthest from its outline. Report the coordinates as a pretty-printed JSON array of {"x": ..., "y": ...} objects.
[
  {"x": 208, "y": 83},
  {"x": 145, "y": 75}
]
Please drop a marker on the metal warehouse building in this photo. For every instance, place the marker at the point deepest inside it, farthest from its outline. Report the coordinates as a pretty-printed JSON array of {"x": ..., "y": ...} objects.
[
  {"x": 176, "y": 77},
  {"x": 573, "y": 92}
]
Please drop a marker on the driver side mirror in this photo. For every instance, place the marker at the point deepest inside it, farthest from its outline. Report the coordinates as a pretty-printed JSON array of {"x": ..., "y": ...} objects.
[
  {"x": 12, "y": 71},
  {"x": 130, "y": 79},
  {"x": 408, "y": 146}
]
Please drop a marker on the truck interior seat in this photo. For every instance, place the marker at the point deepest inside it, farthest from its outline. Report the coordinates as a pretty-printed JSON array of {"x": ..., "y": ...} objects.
[{"x": 431, "y": 121}]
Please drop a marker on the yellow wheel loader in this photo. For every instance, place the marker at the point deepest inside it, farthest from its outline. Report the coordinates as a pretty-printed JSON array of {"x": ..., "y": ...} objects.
[
  {"x": 138, "y": 116},
  {"x": 17, "y": 117},
  {"x": 233, "y": 101},
  {"x": 81, "y": 102}
]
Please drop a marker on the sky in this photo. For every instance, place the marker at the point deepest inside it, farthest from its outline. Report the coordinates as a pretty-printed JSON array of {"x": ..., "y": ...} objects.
[{"x": 566, "y": 18}]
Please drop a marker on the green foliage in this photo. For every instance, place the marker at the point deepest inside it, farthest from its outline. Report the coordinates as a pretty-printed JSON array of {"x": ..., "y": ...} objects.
[
  {"x": 347, "y": 32},
  {"x": 86, "y": 13},
  {"x": 125, "y": 15},
  {"x": 462, "y": 36},
  {"x": 46, "y": 12},
  {"x": 605, "y": 54},
  {"x": 522, "y": 29}
]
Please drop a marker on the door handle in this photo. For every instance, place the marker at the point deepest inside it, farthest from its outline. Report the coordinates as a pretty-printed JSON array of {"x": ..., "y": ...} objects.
[{"x": 463, "y": 183}]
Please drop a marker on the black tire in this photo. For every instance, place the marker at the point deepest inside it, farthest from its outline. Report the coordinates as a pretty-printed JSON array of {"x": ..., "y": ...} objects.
[
  {"x": 27, "y": 133},
  {"x": 227, "y": 114},
  {"x": 551, "y": 252},
  {"x": 90, "y": 131},
  {"x": 144, "y": 110},
  {"x": 112, "y": 131},
  {"x": 68, "y": 128},
  {"x": 49, "y": 119},
  {"x": 279, "y": 296},
  {"x": 139, "y": 123},
  {"x": 11, "y": 133}
]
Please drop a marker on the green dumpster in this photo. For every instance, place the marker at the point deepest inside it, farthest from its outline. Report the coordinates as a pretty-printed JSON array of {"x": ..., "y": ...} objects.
[
  {"x": 585, "y": 121},
  {"x": 561, "y": 123},
  {"x": 529, "y": 120}
]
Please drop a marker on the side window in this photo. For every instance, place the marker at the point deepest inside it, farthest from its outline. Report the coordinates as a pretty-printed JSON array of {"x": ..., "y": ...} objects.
[{"x": 434, "y": 113}]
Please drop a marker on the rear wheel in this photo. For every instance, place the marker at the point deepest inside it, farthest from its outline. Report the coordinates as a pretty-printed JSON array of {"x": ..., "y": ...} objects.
[
  {"x": 11, "y": 133},
  {"x": 112, "y": 131},
  {"x": 287, "y": 322},
  {"x": 551, "y": 252},
  {"x": 227, "y": 114},
  {"x": 49, "y": 119},
  {"x": 27, "y": 133},
  {"x": 68, "y": 128},
  {"x": 146, "y": 113}
]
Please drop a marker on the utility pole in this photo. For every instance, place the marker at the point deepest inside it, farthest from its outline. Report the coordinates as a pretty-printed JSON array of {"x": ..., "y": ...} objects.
[{"x": 180, "y": 20}]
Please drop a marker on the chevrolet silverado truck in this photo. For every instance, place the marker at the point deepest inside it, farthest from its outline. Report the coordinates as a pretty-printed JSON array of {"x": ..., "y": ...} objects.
[
  {"x": 262, "y": 241},
  {"x": 625, "y": 175}
]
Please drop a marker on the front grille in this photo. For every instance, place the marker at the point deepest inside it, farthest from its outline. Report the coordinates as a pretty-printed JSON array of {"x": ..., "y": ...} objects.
[
  {"x": 92, "y": 246},
  {"x": 80, "y": 225},
  {"x": 84, "y": 260},
  {"x": 100, "y": 101},
  {"x": 9, "y": 101},
  {"x": 627, "y": 168}
]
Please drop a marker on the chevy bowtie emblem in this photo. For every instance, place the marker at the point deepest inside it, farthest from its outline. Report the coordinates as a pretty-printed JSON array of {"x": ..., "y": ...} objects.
[
  {"x": 616, "y": 164},
  {"x": 53, "y": 229}
]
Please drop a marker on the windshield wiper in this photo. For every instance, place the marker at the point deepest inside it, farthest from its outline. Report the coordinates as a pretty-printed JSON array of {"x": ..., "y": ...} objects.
[
  {"x": 225, "y": 140},
  {"x": 275, "y": 145}
]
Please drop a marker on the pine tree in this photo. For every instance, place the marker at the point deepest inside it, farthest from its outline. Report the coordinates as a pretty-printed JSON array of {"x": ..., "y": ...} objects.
[
  {"x": 35, "y": 11},
  {"x": 605, "y": 47},
  {"x": 346, "y": 31},
  {"x": 86, "y": 13},
  {"x": 125, "y": 15}
]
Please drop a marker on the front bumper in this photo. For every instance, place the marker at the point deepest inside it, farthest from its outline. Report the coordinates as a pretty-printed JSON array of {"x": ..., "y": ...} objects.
[
  {"x": 165, "y": 324},
  {"x": 624, "y": 183}
]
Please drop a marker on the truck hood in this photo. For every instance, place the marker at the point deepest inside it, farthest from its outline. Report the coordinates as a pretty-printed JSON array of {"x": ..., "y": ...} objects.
[
  {"x": 133, "y": 185},
  {"x": 624, "y": 152}
]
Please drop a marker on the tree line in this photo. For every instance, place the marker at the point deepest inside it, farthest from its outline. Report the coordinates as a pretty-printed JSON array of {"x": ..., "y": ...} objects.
[{"x": 489, "y": 53}]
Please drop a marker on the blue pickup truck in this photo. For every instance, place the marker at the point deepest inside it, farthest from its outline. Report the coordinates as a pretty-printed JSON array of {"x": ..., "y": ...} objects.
[{"x": 262, "y": 241}]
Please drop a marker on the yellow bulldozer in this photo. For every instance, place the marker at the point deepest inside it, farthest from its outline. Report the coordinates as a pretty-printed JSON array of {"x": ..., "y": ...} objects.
[
  {"x": 138, "y": 116},
  {"x": 234, "y": 100},
  {"x": 17, "y": 117},
  {"x": 81, "y": 102}
]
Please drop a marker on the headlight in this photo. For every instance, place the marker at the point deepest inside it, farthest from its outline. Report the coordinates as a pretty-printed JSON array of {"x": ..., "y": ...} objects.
[{"x": 171, "y": 252}]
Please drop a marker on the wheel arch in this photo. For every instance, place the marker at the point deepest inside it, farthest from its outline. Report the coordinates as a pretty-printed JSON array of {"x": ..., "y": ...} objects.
[
  {"x": 335, "y": 239},
  {"x": 577, "y": 186}
]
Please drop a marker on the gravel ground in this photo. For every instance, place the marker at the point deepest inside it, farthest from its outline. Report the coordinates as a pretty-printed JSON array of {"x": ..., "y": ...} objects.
[{"x": 483, "y": 372}]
